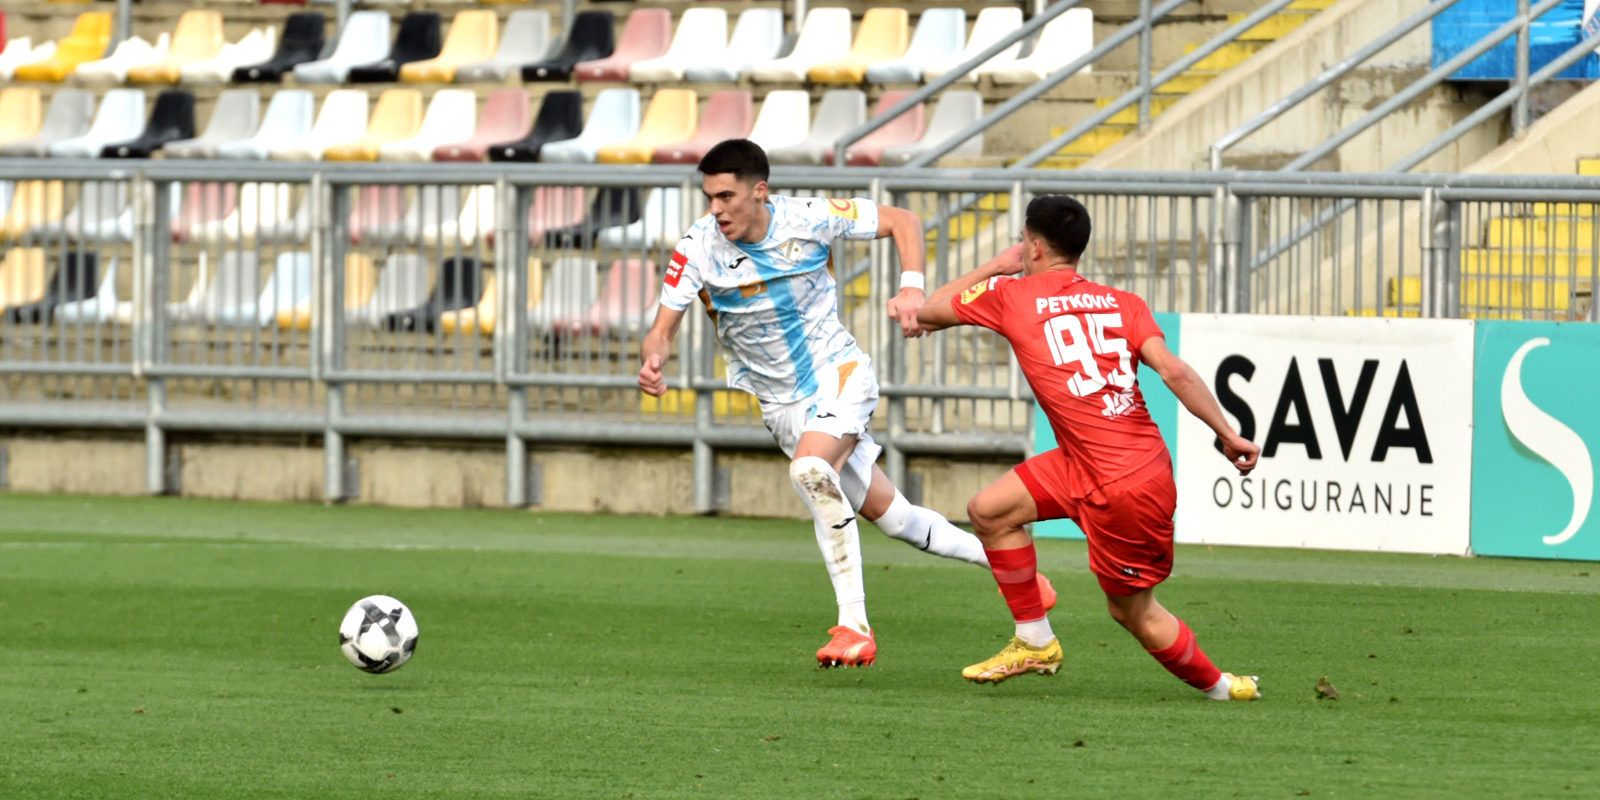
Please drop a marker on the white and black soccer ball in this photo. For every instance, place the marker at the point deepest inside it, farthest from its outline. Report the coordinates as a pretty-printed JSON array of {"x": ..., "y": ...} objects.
[{"x": 378, "y": 634}]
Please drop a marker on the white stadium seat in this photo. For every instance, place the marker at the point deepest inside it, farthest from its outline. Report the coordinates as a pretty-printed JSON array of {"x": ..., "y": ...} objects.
[
  {"x": 613, "y": 119},
  {"x": 1064, "y": 39},
  {"x": 700, "y": 31},
  {"x": 940, "y": 34},
  {"x": 993, "y": 24},
  {"x": 825, "y": 37}
]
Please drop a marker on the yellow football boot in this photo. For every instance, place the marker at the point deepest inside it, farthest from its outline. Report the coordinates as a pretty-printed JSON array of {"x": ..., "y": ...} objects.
[
  {"x": 1242, "y": 687},
  {"x": 1018, "y": 658}
]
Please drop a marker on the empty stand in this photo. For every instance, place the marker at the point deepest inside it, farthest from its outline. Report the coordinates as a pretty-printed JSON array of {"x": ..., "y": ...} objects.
[
  {"x": 839, "y": 111},
  {"x": 757, "y": 38},
  {"x": 940, "y": 34},
  {"x": 66, "y": 117},
  {"x": 171, "y": 120},
  {"x": 230, "y": 295},
  {"x": 301, "y": 43},
  {"x": 525, "y": 40},
  {"x": 569, "y": 291},
  {"x": 560, "y": 119},
  {"x": 825, "y": 38},
  {"x": 451, "y": 116},
  {"x": 904, "y": 129},
  {"x": 288, "y": 117},
  {"x": 670, "y": 119},
  {"x": 233, "y": 119},
  {"x": 625, "y": 305},
  {"x": 611, "y": 207},
  {"x": 459, "y": 285},
  {"x": 657, "y": 226},
  {"x": 1063, "y": 39},
  {"x": 728, "y": 115},
  {"x": 198, "y": 37},
  {"x": 377, "y": 214},
  {"x": 992, "y": 25},
  {"x": 204, "y": 207},
  {"x": 90, "y": 36},
  {"x": 592, "y": 36},
  {"x": 22, "y": 276},
  {"x": 613, "y": 118},
  {"x": 701, "y": 31},
  {"x": 101, "y": 215},
  {"x": 954, "y": 112},
  {"x": 343, "y": 118},
  {"x": 418, "y": 39},
  {"x": 474, "y": 37},
  {"x": 883, "y": 36},
  {"x": 360, "y": 282},
  {"x": 396, "y": 116},
  {"x": 21, "y": 51},
  {"x": 76, "y": 279},
  {"x": 119, "y": 118},
  {"x": 402, "y": 284},
  {"x": 21, "y": 114},
  {"x": 506, "y": 118},
  {"x": 255, "y": 47},
  {"x": 132, "y": 52},
  {"x": 33, "y": 203},
  {"x": 364, "y": 40},
  {"x": 99, "y": 307},
  {"x": 785, "y": 119},
  {"x": 288, "y": 288},
  {"x": 647, "y": 35}
]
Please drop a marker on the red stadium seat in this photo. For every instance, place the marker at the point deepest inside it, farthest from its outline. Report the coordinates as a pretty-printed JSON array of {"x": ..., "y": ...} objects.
[
  {"x": 205, "y": 206},
  {"x": 905, "y": 129},
  {"x": 648, "y": 34},
  {"x": 626, "y": 301},
  {"x": 729, "y": 115},
  {"x": 505, "y": 118},
  {"x": 376, "y": 207}
]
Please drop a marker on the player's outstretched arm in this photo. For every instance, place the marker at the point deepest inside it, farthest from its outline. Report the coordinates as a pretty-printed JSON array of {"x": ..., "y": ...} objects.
[
  {"x": 938, "y": 313},
  {"x": 905, "y": 228},
  {"x": 1196, "y": 396},
  {"x": 656, "y": 347}
]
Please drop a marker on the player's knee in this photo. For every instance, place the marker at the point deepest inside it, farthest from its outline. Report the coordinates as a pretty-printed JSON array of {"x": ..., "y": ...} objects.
[
  {"x": 814, "y": 477},
  {"x": 987, "y": 516},
  {"x": 1123, "y": 616}
]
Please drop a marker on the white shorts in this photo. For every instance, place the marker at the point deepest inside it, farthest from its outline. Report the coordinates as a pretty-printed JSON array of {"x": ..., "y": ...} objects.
[{"x": 847, "y": 394}]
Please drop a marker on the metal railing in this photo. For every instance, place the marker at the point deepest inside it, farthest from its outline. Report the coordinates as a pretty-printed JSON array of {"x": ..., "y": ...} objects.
[{"x": 479, "y": 302}]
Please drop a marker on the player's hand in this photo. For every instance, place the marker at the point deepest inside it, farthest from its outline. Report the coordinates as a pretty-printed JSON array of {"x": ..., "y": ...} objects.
[
  {"x": 1009, "y": 261},
  {"x": 650, "y": 380},
  {"x": 1242, "y": 453},
  {"x": 903, "y": 309}
]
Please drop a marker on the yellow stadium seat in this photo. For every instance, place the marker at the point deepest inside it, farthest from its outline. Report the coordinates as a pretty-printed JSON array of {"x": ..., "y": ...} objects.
[
  {"x": 33, "y": 203},
  {"x": 671, "y": 118},
  {"x": 22, "y": 276},
  {"x": 198, "y": 37},
  {"x": 21, "y": 112},
  {"x": 398, "y": 115},
  {"x": 474, "y": 37},
  {"x": 1492, "y": 292},
  {"x": 884, "y": 35},
  {"x": 360, "y": 279},
  {"x": 90, "y": 36},
  {"x": 480, "y": 319}
]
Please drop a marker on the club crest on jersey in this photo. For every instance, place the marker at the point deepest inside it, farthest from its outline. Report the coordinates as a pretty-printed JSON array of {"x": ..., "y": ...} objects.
[
  {"x": 843, "y": 208},
  {"x": 675, "y": 268},
  {"x": 793, "y": 249}
]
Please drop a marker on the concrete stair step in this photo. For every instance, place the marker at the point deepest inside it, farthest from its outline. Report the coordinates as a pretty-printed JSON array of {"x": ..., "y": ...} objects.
[
  {"x": 1589, "y": 166},
  {"x": 1514, "y": 263},
  {"x": 1188, "y": 82},
  {"x": 1227, "y": 56},
  {"x": 1272, "y": 28},
  {"x": 1539, "y": 295},
  {"x": 1531, "y": 232},
  {"x": 1094, "y": 142},
  {"x": 1130, "y": 115}
]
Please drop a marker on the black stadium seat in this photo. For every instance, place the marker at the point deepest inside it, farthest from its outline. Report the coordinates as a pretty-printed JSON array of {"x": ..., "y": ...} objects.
[
  {"x": 171, "y": 120},
  {"x": 593, "y": 36},
  {"x": 460, "y": 285},
  {"x": 611, "y": 207},
  {"x": 75, "y": 279},
  {"x": 302, "y": 42},
  {"x": 418, "y": 40},
  {"x": 560, "y": 117}
]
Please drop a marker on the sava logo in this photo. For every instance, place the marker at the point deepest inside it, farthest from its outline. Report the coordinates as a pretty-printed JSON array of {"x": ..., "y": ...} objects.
[
  {"x": 1294, "y": 401},
  {"x": 1549, "y": 439}
]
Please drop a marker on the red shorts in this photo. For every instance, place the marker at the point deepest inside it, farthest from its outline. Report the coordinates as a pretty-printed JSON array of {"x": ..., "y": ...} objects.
[{"x": 1128, "y": 522}]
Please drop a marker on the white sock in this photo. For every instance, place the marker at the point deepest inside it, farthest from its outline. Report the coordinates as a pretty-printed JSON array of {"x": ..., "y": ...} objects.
[
  {"x": 818, "y": 485},
  {"x": 1220, "y": 691},
  {"x": 1036, "y": 633},
  {"x": 928, "y": 530}
]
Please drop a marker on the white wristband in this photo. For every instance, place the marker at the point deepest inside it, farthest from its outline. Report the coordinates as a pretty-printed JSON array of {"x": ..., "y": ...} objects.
[{"x": 913, "y": 280}]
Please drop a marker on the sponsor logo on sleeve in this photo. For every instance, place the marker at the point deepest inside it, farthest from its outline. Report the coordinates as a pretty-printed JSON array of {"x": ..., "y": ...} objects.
[
  {"x": 843, "y": 208},
  {"x": 675, "y": 268}
]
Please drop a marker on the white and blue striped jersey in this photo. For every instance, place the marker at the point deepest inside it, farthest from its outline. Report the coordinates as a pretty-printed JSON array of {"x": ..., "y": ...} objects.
[{"x": 775, "y": 300}]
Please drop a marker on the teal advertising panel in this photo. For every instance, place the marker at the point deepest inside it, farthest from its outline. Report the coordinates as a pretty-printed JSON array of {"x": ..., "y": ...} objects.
[
  {"x": 1163, "y": 405},
  {"x": 1536, "y": 436}
]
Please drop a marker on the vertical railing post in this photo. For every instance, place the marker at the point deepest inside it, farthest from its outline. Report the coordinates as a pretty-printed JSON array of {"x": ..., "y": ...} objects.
[
  {"x": 697, "y": 353},
  {"x": 511, "y": 262},
  {"x": 1451, "y": 234},
  {"x": 1234, "y": 223},
  {"x": 1436, "y": 240},
  {"x": 328, "y": 223},
  {"x": 155, "y": 224},
  {"x": 1144, "y": 63},
  {"x": 1519, "y": 113}
]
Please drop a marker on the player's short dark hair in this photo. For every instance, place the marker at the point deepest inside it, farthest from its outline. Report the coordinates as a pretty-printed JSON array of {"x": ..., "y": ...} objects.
[
  {"x": 741, "y": 158},
  {"x": 1062, "y": 222}
]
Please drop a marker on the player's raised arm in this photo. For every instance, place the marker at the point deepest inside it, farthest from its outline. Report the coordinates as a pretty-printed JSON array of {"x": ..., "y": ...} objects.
[
  {"x": 1196, "y": 396},
  {"x": 939, "y": 313},
  {"x": 905, "y": 228}
]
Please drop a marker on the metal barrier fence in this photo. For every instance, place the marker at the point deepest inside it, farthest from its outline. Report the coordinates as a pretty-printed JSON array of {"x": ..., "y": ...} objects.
[{"x": 509, "y": 304}]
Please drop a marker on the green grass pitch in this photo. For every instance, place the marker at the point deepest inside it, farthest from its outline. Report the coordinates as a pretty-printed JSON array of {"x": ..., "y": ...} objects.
[{"x": 161, "y": 648}]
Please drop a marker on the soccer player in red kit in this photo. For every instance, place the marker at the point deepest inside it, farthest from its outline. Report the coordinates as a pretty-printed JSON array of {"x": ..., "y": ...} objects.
[{"x": 1080, "y": 345}]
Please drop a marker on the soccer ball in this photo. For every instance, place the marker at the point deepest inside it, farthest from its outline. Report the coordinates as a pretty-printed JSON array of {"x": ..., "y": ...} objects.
[{"x": 378, "y": 634}]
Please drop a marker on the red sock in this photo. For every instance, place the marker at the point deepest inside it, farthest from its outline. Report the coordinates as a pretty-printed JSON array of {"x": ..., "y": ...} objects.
[
  {"x": 1186, "y": 660},
  {"x": 1016, "y": 571}
]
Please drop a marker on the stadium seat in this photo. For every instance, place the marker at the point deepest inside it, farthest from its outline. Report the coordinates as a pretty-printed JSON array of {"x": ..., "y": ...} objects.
[
  {"x": 132, "y": 52},
  {"x": 570, "y": 291},
  {"x": 839, "y": 111},
  {"x": 360, "y": 281},
  {"x": 1063, "y": 39},
  {"x": 233, "y": 119},
  {"x": 198, "y": 37},
  {"x": 90, "y": 36},
  {"x": 33, "y": 203},
  {"x": 377, "y": 214},
  {"x": 343, "y": 118},
  {"x": 261, "y": 215},
  {"x": 626, "y": 303},
  {"x": 100, "y": 215},
  {"x": 22, "y": 276},
  {"x": 119, "y": 118},
  {"x": 402, "y": 284},
  {"x": 434, "y": 216},
  {"x": 474, "y": 37},
  {"x": 205, "y": 205},
  {"x": 785, "y": 119},
  {"x": 757, "y": 38},
  {"x": 954, "y": 111},
  {"x": 97, "y": 308},
  {"x": 611, "y": 207},
  {"x": 525, "y": 40},
  {"x": 728, "y": 115},
  {"x": 475, "y": 222},
  {"x": 992, "y": 25},
  {"x": 451, "y": 116},
  {"x": 255, "y": 47},
  {"x": 66, "y": 117},
  {"x": 230, "y": 295},
  {"x": 21, "y": 114},
  {"x": 904, "y": 129},
  {"x": 451, "y": 321},
  {"x": 700, "y": 31},
  {"x": 171, "y": 120},
  {"x": 21, "y": 51},
  {"x": 647, "y": 35},
  {"x": 592, "y": 36},
  {"x": 940, "y": 34},
  {"x": 560, "y": 119},
  {"x": 288, "y": 117},
  {"x": 671, "y": 118},
  {"x": 287, "y": 288},
  {"x": 505, "y": 118},
  {"x": 365, "y": 39},
  {"x": 825, "y": 37},
  {"x": 613, "y": 118},
  {"x": 882, "y": 36},
  {"x": 301, "y": 43},
  {"x": 418, "y": 39},
  {"x": 459, "y": 285},
  {"x": 657, "y": 226},
  {"x": 76, "y": 279},
  {"x": 397, "y": 116}
]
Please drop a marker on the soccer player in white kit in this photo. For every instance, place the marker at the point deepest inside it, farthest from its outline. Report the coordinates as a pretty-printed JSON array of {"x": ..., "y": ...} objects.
[{"x": 760, "y": 261}]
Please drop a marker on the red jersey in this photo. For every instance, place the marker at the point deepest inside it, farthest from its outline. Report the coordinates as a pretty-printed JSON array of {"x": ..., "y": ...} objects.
[{"x": 1078, "y": 344}]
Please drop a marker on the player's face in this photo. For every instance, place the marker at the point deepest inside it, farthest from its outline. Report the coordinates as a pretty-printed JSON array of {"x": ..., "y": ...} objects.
[{"x": 737, "y": 205}]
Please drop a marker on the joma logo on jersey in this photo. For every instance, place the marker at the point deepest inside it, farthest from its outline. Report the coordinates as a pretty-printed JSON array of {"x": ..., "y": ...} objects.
[{"x": 1294, "y": 401}]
